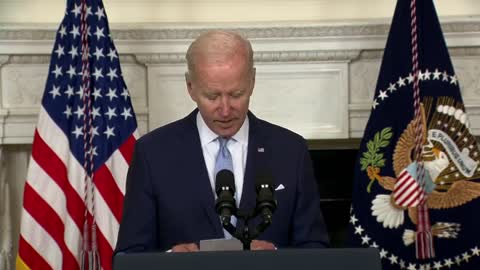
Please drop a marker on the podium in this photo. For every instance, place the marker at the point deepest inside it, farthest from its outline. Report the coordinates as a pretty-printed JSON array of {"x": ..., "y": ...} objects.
[{"x": 285, "y": 259}]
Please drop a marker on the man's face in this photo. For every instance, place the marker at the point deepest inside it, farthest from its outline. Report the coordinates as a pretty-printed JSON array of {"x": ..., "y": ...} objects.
[{"x": 222, "y": 92}]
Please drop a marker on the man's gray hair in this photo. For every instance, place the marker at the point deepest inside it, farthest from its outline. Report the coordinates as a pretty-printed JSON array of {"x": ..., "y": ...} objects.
[{"x": 218, "y": 46}]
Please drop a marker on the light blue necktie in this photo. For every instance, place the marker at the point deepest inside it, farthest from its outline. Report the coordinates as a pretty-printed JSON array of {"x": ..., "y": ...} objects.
[
  {"x": 224, "y": 158},
  {"x": 224, "y": 162}
]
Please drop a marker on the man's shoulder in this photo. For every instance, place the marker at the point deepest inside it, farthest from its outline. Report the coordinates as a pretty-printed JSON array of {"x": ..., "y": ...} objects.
[
  {"x": 166, "y": 133},
  {"x": 278, "y": 132}
]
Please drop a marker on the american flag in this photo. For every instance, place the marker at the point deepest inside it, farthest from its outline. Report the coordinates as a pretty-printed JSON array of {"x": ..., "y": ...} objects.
[{"x": 81, "y": 150}]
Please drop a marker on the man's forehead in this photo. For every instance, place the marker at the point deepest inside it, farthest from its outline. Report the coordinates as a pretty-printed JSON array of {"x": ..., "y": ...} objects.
[
  {"x": 219, "y": 40},
  {"x": 220, "y": 57},
  {"x": 212, "y": 65}
]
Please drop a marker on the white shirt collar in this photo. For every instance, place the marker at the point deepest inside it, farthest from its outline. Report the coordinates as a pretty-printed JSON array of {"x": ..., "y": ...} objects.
[{"x": 207, "y": 135}]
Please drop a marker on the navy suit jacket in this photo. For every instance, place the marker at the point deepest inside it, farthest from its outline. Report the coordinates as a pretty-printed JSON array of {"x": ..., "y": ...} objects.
[{"x": 169, "y": 199}]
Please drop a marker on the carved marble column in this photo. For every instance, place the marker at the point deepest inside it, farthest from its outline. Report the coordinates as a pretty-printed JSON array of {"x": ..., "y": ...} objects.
[
  {"x": 6, "y": 222},
  {"x": 3, "y": 112}
]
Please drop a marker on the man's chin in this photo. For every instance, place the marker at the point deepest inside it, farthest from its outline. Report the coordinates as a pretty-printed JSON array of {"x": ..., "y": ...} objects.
[{"x": 226, "y": 132}]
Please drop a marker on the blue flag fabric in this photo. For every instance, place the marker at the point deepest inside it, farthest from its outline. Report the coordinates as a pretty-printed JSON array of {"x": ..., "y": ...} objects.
[{"x": 450, "y": 154}]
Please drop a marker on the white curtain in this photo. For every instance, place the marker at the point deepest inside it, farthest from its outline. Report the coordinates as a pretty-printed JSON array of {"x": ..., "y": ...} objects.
[{"x": 6, "y": 257}]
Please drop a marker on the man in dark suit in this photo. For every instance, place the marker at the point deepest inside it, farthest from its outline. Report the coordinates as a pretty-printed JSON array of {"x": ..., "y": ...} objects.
[{"x": 170, "y": 198}]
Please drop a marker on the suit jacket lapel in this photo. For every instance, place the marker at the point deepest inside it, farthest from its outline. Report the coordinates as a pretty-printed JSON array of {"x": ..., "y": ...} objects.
[
  {"x": 199, "y": 173},
  {"x": 256, "y": 160}
]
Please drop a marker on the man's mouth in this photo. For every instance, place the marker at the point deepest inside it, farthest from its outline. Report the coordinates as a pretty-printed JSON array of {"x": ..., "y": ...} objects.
[{"x": 224, "y": 122}]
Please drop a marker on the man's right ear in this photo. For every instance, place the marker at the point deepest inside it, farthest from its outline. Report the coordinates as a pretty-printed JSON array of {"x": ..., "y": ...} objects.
[{"x": 188, "y": 82}]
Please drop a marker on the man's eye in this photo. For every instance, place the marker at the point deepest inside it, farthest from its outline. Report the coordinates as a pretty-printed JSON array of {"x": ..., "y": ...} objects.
[
  {"x": 212, "y": 97},
  {"x": 237, "y": 94}
]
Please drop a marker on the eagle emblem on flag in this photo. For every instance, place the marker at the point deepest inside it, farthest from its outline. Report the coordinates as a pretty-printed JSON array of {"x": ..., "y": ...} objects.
[{"x": 451, "y": 158}]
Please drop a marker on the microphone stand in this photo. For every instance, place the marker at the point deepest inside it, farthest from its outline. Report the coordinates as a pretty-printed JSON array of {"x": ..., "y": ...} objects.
[
  {"x": 225, "y": 206},
  {"x": 245, "y": 235}
]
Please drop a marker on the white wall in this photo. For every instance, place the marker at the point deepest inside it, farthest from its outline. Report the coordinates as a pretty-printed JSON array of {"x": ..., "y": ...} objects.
[{"x": 142, "y": 11}]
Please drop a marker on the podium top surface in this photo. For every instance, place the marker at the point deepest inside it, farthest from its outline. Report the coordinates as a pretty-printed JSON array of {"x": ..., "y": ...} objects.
[{"x": 291, "y": 259}]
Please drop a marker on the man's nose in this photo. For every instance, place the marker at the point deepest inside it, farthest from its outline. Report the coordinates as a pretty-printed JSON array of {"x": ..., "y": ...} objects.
[{"x": 225, "y": 106}]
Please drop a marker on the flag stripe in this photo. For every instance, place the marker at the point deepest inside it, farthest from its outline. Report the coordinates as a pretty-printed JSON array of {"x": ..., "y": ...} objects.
[
  {"x": 106, "y": 221},
  {"x": 412, "y": 199},
  {"x": 127, "y": 148},
  {"x": 30, "y": 257},
  {"x": 407, "y": 191},
  {"x": 399, "y": 194},
  {"x": 118, "y": 167},
  {"x": 51, "y": 222},
  {"x": 105, "y": 183},
  {"x": 402, "y": 181},
  {"x": 105, "y": 250},
  {"x": 54, "y": 167},
  {"x": 53, "y": 136},
  {"x": 398, "y": 190},
  {"x": 103, "y": 247},
  {"x": 39, "y": 239},
  {"x": 53, "y": 195}
]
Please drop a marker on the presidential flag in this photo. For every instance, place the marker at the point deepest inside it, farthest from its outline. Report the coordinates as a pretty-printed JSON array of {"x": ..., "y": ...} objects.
[
  {"x": 81, "y": 149},
  {"x": 416, "y": 185}
]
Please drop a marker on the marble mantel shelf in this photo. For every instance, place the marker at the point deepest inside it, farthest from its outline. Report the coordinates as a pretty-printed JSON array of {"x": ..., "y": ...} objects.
[{"x": 334, "y": 61}]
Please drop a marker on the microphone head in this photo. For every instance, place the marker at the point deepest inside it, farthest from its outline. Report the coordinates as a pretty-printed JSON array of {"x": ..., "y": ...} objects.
[
  {"x": 225, "y": 189},
  {"x": 263, "y": 180},
  {"x": 224, "y": 180},
  {"x": 266, "y": 203}
]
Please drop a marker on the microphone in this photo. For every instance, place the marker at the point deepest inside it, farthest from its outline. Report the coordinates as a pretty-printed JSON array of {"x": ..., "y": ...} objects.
[
  {"x": 266, "y": 203},
  {"x": 225, "y": 204}
]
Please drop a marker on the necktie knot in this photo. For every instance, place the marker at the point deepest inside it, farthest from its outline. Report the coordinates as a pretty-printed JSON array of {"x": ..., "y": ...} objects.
[{"x": 223, "y": 142}]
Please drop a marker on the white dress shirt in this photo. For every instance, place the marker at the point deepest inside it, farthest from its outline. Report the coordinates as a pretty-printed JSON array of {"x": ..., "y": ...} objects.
[{"x": 237, "y": 145}]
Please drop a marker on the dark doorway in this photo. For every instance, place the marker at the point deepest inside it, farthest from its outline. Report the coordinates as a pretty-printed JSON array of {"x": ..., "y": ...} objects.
[{"x": 334, "y": 170}]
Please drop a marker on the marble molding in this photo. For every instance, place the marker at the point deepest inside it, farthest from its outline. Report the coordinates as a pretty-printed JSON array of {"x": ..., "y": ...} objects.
[{"x": 308, "y": 63}]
